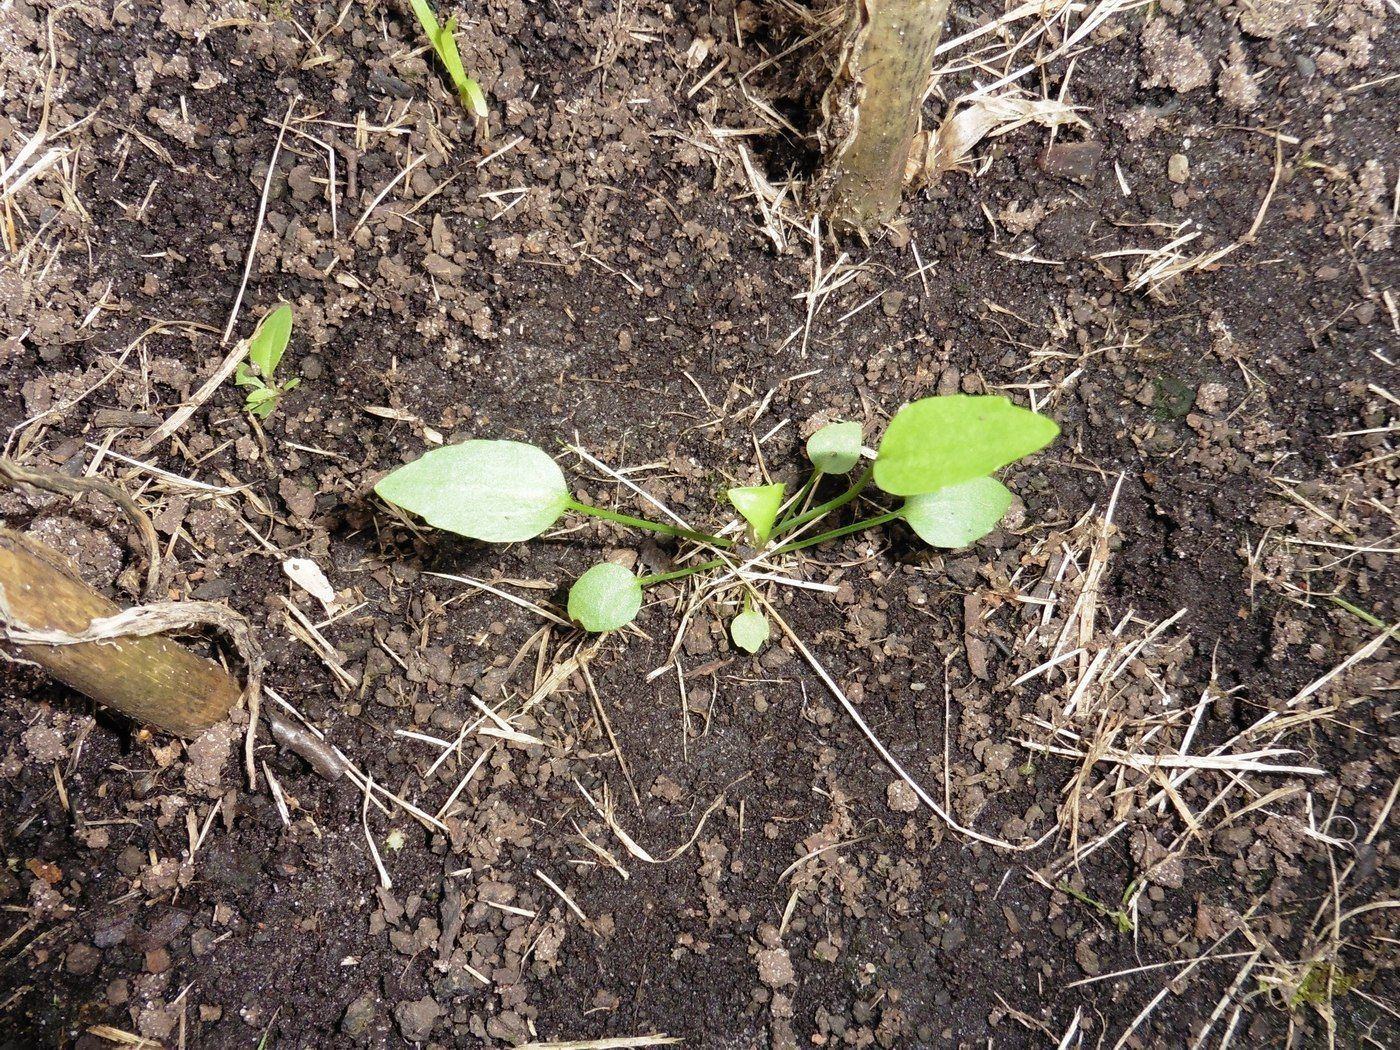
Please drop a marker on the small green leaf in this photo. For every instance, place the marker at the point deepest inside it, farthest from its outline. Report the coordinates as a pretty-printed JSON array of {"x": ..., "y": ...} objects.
[
  {"x": 605, "y": 598},
  {"x": 444, "y": 44},
  {"x": 269, "y": 342},
  {"x": 835, "y": 448},
  {"x": 759, "y": 505},
  {"x": 498, "y": 491},
  {"x": 958, "y": 514},
  {"x": 243, "y": 376},
  {"x": 943, "y": 441},
  {"x": 260, "y": 402},
  {"x": 749, "y": 630}
]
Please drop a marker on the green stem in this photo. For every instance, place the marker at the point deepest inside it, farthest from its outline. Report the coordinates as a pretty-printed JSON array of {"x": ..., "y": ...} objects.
[
  {"x": 680, "y": 574},
  {"x": 844, "y": 530},
  {"x": 830, "y": 505},
  {"x": 653, "y": 526},
  {"x": 1360, "y": 614},
  {"x": 796, "y": 505},
  {"x": 787, "y": 548}
]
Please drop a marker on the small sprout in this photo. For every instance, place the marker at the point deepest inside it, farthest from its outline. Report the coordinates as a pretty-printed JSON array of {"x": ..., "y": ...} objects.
[
  {"x": 444, "y": 44},
  {"x": 265, "y": 350},
  {"x": 958, "y": 514},
  {"x": 395, "y": 840},
  {"x": 759, "y": 504},
  {"x": 749, "y": 630},
  {"x": 835, "y": 448},
  {"x": 943, "y": 441},
  {"x": 605, "y": 598},
  {"x": 498, "y": 491}
]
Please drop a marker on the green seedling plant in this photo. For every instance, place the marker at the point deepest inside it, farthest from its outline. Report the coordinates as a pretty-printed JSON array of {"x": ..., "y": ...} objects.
[
  {"x": 936, "y": 458},
  {"x": 443, "y": 40},
  {"x": 265, "y": 350},
  {"x": 1120, "y": 918}
]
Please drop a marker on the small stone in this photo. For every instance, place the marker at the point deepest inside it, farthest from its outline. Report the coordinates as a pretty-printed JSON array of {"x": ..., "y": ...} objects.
[
  {"x": 82, "y": 959},
  {"x": 301, "y": 183},
  {"x": 1072, "y": 160},
  {"x": 901, "y": 798},
  {"x": 1212, "y": 397},
  {"x": 954, "y": 934},
  {"x": 775, "y": 968},
  {"x": 358, "y": 1016},
  {"x": 118, "y": 992},
  {"x": 416, "y": 1018},
  {"x": 1178, "y": 168},
  {"x": 1086, "y": 957},
  {"x": 998, "y": 757},
  {"x": 161, "y": 931}
]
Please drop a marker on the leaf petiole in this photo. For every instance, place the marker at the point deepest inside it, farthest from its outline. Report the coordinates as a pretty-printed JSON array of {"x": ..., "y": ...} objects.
[
  {"x": 795, "y": 507},
  {"x": 652, "y": 526},
  {"x": 787, "y": 548},
  {"x": 680, "y": 574},
  {"x": 832, "y": 504},
  {"x": 844, "y": 530}
]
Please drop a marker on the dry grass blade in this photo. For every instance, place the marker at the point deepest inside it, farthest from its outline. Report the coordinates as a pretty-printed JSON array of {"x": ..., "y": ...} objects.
[
  {"x": 612, "y": 1043},
  {"x": 385, "y": 882},
  {"x": 181, "y": 415},
  {"x": 604, "y": 809},
  {"x": 124, "y": 1038},
  {"x": 512, "y": 598},
  {"x": 988, "y": 116}
]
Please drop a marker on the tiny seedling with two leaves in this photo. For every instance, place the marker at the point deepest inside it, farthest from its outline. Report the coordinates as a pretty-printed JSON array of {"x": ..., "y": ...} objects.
[
  {"x": 444, "y": 44},
  {"x": 265, "y": 351},
  {"x": 937, "y": 457}
]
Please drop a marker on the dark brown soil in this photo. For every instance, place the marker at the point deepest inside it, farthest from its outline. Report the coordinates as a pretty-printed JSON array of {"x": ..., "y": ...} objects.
[{"x": 595, "y": 272}]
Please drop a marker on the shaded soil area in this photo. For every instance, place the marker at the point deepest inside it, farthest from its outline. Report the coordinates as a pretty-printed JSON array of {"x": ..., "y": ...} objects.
[{"x": 1197, "y": 281}]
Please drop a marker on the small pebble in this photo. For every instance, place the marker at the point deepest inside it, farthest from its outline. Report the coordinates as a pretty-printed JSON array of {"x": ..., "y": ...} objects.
[{"x": 901, "y": 798}]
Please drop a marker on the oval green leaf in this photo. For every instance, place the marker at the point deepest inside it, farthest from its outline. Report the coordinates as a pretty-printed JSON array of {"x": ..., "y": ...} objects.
[
  {"x": 835, "y": 448},
  {"x": 942, "y": 441},
  {"x": 269, "y": 342},
  {"x": 749, "y": 630},
  {"x": 759, "y": 504},
  {"x": 959, "y": 514},
  {"x": 605, "y": 598},
  {"x": 498, "y": 491}
]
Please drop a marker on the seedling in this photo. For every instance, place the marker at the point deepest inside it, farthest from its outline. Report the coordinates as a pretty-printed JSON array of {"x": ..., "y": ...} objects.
[
  {"x": 444, "y": 45},
  {"x": 937, "y": 455},
  {"x": 265, "y": 351},
  {"x": 1118, "y": 916}
]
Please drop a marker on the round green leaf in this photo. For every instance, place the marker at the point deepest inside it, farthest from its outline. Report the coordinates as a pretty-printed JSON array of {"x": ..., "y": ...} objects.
[
  {"x": 959, "y": 514},
  {"x": 605, "y": 598},
  {"x": 759, "y": 504},
  {"x": 498, "y": 491},
  {"x": 835, "y": 448},
  {"x": 943, "y": 441},
  {"x": 749, "y": 630}
]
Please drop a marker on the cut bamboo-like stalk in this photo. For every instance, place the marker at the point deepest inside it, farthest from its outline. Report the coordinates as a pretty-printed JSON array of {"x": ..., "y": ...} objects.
[
  {"x": 151, "y": 678},
  {"x": 871, "y": 110}
]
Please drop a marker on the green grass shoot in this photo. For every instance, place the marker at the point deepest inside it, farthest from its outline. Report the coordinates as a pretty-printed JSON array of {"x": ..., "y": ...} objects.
[{"x": 444, "y": 44}]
